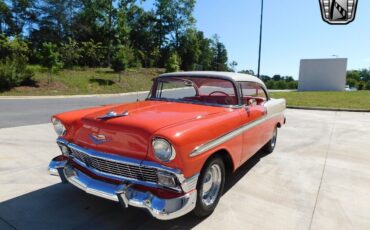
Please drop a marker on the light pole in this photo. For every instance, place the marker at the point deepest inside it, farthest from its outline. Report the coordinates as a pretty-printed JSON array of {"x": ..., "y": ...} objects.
[{"x": 260, "y": 44}]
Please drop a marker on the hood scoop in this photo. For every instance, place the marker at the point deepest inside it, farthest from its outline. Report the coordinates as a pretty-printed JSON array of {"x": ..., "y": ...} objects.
[{"x": 113, "y": 114}]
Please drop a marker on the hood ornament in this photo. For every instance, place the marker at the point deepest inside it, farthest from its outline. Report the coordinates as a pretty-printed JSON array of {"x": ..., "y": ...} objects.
[{"x": 113, "y": 114}]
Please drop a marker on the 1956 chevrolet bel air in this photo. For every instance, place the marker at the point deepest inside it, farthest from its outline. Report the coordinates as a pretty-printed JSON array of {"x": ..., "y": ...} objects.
[{"x": 170, "y": 153}]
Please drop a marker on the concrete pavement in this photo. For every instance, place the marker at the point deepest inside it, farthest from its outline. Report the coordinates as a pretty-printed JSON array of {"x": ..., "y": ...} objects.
[{"x": 317, "y": 178}]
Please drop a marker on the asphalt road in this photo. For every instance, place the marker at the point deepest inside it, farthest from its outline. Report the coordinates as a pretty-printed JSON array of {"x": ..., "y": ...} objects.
[
  {"x": 318, "y": 177},
  {"x": 20, "y": 112}
]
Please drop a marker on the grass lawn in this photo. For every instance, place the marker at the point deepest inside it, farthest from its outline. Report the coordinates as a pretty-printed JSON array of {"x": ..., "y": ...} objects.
[
  {"x": 338, "y": 100},
  {"x": 86, "y": 81}
]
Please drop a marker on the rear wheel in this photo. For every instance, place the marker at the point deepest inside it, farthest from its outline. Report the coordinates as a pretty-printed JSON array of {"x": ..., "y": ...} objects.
[
  {"x": 270, "y": 146},
  {"x": 210, "y": 186}
]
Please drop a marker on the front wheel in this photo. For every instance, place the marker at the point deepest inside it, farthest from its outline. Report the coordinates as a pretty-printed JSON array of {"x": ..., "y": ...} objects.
[
  {"x": 270, "y": 146},
  {"x": 210, "y": 187}
]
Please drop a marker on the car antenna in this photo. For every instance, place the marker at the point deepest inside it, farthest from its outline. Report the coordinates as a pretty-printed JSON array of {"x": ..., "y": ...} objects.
[{"x": 137, "y": 95}]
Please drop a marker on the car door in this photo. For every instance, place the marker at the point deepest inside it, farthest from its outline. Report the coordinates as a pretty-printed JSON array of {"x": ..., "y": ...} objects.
[{"x": 252, "y": 114}]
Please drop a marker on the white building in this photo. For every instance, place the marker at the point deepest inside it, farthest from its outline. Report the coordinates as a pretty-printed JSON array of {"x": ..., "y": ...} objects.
[{"x": 322, "y": 74}]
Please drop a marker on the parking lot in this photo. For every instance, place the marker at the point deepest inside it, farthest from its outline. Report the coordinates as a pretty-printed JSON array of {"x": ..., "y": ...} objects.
[{"x": 318, "y": 177}]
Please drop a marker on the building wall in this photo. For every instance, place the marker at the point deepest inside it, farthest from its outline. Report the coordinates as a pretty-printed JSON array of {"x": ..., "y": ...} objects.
[{"x": 322, "y": 74}]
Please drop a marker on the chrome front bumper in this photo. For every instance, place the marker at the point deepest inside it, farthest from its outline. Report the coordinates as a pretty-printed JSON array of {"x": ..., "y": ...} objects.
[{"x": 163, "y": 209}]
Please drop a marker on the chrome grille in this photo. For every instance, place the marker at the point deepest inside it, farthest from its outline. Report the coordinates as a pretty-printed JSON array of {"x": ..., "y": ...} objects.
[{"x": 117, "y": 168}]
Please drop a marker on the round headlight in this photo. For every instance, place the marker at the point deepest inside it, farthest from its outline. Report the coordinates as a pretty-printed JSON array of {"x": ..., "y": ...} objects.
[
  {"x": 58, "y": 126},
  {"x": 163, "y": 150}
]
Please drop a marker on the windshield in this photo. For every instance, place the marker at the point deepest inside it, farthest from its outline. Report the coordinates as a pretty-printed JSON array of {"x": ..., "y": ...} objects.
[{"x": 201, "y": 90}]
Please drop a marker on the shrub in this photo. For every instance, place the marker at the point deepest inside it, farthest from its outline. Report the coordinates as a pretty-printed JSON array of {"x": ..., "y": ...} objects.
[
  {"x": 351, "y": 82},
  {"x": 13, "y": 48},
  {"x": 92, "y": 54},
  {"x": 281, "y": 85},
  {"x": 361, "y": 85},
  {"x": 270, "y": 84},
  {"x": 367, "y": 87},
  {"x": 173, "y": 63},
  {"x": 70, "y": 53},
  {"x": 292, "y": 85},
  {"x": 14, "y": 72},
  {"x": 50, "y": 58}
]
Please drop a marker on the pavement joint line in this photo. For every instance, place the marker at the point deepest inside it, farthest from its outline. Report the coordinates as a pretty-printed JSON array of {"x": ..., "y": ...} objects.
[
  {"x": 7, "y": 223},
  {"x": 323, "y": 170}
]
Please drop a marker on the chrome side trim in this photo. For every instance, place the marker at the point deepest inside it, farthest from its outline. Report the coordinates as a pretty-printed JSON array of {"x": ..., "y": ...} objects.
[
  {"x": 236, "y": 132},
  {"x": 163, "y": 209}
]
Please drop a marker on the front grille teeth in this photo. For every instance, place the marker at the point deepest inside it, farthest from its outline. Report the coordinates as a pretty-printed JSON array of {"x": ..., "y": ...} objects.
[{"x": 117, "y": 168}]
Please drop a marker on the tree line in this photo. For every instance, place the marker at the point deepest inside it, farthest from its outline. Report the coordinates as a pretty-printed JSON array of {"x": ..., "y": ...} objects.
[
  {"x": 359, "y": 79},
  {"x": 103, "y": 33}
]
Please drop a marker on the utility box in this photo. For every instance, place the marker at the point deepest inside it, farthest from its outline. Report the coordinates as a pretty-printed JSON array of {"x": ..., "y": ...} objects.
[{"x": 322, "y": 74}]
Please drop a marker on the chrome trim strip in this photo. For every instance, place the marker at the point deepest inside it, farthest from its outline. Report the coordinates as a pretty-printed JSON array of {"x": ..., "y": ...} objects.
[
  {"x": 228, "y": 136},
  {"x": 160, "y": 208}
]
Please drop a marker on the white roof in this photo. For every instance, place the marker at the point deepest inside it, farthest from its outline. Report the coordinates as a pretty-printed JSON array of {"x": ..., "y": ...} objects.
[{"x": 230, "y": 75}]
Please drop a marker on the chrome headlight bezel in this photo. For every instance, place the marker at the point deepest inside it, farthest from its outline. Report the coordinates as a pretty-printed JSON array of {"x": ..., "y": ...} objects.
[
  {"x": 163, "y": 150},
  {"x": 59, "y": 127}
]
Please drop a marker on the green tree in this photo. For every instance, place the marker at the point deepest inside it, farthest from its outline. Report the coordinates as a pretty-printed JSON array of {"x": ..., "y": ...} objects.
[
  {"x": 14, "y": 48},
  {"x": 233, "y": 65},
  {"x": 281, "y": 84},
  {"x": 70, "y": 53},
  {"x": 6, "y": 20},
  {"x": 123, "y": 59},
  {"x": 354, "y": 74},
  {"x": 55, "y": 19},
  {"x": 288, "y": 78},
  {"x": 173, "y": 63},
  {"x": 23, "y": 14},
  {"x": 292, "y": 85},
  {"x": 50, "y": 58},
  {"x": 189, "y": 50},
  {"x": 365, "y": 75},
  {"x": 361, "y": 85},
  {"x": 13, "y": 72},
  {"x": 13, "y": 62},
  {"x": 276, "y": 77},
  {"x": 206, "y": 53},
  {"x": 270, "y": 84},
  {"x": 367, "y": 87},
  {"x": 220, "y": 58},
  {"x": 351, "y": 82},
  {"x": 92, "y": 54}
]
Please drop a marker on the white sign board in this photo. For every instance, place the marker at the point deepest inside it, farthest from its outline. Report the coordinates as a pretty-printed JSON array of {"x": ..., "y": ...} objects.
[{"x": 322, "y": 74}]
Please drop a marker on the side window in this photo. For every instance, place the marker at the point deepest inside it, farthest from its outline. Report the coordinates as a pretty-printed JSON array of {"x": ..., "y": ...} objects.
[
  {"x": 261, "y": 93},
  {"x": 253, "y": 93},
  {"x": 249, "y": 89}
]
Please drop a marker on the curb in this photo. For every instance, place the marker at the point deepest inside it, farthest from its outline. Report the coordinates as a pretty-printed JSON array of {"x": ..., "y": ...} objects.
[
  {"x": 72, "y": 96},
  {"x": 330, "y": 109}
]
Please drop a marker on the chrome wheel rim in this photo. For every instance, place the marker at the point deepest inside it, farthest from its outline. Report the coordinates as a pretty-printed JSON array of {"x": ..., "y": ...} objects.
[
  {"x": 274, "y": 137},
  {"x": 211, "y": 185}
]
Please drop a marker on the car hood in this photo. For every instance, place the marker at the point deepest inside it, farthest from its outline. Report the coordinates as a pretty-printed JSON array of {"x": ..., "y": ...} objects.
[{"x": 130, "y": 135}]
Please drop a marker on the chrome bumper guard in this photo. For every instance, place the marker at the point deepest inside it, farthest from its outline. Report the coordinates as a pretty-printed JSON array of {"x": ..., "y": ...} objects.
[{"x": 163, "y": 209}]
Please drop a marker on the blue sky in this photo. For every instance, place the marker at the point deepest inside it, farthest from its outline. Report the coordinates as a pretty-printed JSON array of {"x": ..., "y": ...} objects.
[{"x": 293, "y": 29}]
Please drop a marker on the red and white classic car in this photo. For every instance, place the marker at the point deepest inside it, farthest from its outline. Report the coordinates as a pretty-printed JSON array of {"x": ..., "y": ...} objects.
[{"x": 170, "y": 153}]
